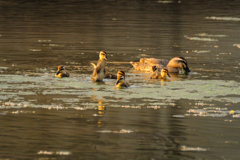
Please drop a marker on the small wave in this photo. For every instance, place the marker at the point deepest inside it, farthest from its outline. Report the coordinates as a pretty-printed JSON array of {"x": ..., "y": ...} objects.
[{"x": 224, "y": 18}]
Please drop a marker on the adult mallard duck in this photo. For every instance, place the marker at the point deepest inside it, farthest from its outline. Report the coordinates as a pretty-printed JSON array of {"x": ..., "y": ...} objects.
[
  {"x": 99, "y": 69},
  {"x": 159, "y": 75},
  {"x": 61, "y": 72},
  {"x": 176, "y": 64},
  {"x": 121, "y": 80}
]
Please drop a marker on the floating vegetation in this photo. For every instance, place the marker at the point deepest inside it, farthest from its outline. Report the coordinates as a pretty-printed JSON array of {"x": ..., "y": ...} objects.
[
  {"x": 63, "y": 153},
  {"x": 44, "y": 40},
  {"x": 236, "y": 116},
  {"x": 236, "y": 45},
  {"x": 56, "y": 45},
  {"x": 224, "y": 18},
  {"x": 213, "y": 112},
  {"x": 179, "y": 116},
  {"x": 201, "y": 39},
  {"x": 165, "y": 1},
  {"x": 35, "y": 50},
  {"x": 121, "y": 131},
  {"x": 201, "y": 51},
  {"x": 209, "y": 35},
  {"x": 193, "y": 149}
]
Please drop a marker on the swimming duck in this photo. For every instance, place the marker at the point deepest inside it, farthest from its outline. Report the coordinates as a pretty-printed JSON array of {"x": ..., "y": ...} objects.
[
  {"x": 159, "y": 75},
  {"x": 61, "y": 72},
  {"x": 99, "y": 69},
  {"x": 121, "y": 80},
  {"x": 176, "y": 64}
]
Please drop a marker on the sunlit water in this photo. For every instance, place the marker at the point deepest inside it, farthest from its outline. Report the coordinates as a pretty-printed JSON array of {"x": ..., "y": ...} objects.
[{"x": 193, "y": 116}]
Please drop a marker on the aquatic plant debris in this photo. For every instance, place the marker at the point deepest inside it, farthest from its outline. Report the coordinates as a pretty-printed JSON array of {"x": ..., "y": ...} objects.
[
  {"x": 16, "y": 88},
  {"x": 201, "y": 39},
  {"x": 213, "y": 112},
  {"x": 121, "y": 131},
  {"x": 192, "y": 149},
  {"x": 224, "y": 18},
  {"x": 64, "y": 153}
]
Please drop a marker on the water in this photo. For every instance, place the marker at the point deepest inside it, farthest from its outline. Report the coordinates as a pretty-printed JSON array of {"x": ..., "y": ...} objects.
[{"x": 188, "y": 117}]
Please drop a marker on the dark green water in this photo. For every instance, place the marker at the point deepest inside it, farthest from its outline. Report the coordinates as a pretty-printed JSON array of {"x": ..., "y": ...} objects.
[{"x": 193, "y": 116}]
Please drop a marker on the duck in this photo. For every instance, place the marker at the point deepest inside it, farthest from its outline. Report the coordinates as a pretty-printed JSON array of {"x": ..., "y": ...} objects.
[
  {"x": 121, "y": 83},
  {"x": 175, "y": 65},
  {"x": 62, "y": 72},
  {"x": 159, "y": 75},
  {"x": 99, "y": 70}
]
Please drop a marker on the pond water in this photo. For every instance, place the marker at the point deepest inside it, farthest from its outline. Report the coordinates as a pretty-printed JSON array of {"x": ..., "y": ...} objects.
[{"x": 193, "y": 116}]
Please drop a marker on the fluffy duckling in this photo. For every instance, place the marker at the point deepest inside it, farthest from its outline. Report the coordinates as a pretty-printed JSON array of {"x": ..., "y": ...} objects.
[
  {"x": 99, "y": 69},
  {"x": 159, "y": 75},
  {"x": 176, "y": 64},
  {"x": 61, "y": 72},
  {"x": 121, "y": 80}
]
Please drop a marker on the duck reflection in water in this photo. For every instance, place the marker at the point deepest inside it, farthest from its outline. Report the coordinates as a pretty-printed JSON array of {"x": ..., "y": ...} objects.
[
  {"x": 121, "y": 80},
  {"x": 175, "y": 65},
  {"x": 62, "y": 72},
  {"x": 101, "y": 111}
]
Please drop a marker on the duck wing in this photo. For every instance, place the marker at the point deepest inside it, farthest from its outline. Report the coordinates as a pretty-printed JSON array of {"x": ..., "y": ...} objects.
[{"x": 160, "y": 63}]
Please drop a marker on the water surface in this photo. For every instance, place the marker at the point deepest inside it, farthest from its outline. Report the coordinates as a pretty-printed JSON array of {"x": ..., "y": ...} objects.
[{"x": 193, "y": 116}]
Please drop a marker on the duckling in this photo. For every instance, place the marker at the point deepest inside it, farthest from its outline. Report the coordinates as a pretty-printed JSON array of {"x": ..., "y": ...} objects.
[
  {"x": 108, "y": 74},
  {"x": 121, "y": 80},
  {"x": 176, "y": 64},
  {"x": 62, "y": 72},
  {"x": 99, "y": 69},
  {"x": 159, "y": 75}
]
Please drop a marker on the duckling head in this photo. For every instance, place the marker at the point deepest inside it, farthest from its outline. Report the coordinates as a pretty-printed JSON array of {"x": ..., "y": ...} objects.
[
  {"x": 180, "y": 62},
  {"x": 103, "y": 55},
  {"x": 120, "y": 78},
  {"x": 164, "y": 73},
  {"x": 154, "y": 68},
  {"x": 120, "y": 74},
  {"x": 60, "y": 68}
]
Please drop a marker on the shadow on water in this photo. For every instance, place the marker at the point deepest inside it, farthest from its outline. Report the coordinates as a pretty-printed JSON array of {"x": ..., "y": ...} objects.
[{"x": 193, "y": 116}]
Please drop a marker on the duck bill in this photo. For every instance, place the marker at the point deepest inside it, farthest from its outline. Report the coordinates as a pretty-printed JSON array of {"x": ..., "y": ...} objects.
[
  {"x": 187, "y": 70},
  {"x": 106, "y": 58},
  {"x": 168, "y": 75},
  {"x": 57, "y": 72}
]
